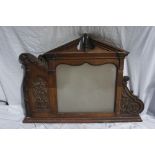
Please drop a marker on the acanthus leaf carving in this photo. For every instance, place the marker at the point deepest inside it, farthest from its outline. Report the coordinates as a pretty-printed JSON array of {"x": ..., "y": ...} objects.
[
  {"x": 130, "y": 104},
  {"x": 40, "y": 93}
]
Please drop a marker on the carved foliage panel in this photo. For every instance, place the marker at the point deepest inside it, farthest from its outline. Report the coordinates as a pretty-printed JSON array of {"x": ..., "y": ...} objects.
[
  {"x": 40, "y": 93},
  {"x": 130, "y": 104}
]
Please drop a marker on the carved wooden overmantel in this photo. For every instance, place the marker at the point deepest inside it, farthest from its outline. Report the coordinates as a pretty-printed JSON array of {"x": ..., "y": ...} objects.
[{"x": 40, "y": 83}]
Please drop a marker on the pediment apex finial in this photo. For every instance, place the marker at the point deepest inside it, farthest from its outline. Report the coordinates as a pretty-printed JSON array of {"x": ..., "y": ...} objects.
[{"x": 85, "y": 43}]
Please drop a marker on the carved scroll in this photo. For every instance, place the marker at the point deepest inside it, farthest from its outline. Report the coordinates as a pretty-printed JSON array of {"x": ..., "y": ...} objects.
[
  {"x": 27, "y": 59},
  {"x": 130, "y": 104}
]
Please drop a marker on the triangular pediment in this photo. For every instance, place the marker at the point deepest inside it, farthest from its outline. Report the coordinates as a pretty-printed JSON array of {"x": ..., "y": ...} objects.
[{"x": 99, "y": 47}]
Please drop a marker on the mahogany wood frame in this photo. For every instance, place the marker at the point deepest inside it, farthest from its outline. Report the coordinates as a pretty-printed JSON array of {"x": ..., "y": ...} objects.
[{"x": 40, "y": 90}]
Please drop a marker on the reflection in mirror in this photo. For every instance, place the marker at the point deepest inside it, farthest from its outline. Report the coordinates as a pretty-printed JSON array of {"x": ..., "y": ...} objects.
[{"x": 86, "y": 88}]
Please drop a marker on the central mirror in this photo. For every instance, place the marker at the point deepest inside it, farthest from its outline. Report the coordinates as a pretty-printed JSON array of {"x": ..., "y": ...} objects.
[{"x": 86, "y": 88}]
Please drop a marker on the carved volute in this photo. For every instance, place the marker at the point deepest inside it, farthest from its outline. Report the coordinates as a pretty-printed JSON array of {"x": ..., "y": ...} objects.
[{"x": 130, "y": 104}]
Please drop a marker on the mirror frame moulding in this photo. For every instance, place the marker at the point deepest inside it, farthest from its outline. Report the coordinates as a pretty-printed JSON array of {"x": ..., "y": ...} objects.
[{"x": 40, "y": 89}]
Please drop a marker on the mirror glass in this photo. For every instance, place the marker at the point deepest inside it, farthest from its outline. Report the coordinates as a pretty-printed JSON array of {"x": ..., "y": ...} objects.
[{"x": 86, "y": 88}]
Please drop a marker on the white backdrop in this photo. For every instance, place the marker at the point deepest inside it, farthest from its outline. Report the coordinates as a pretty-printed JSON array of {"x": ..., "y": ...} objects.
[{"x": 140, "y": 63}]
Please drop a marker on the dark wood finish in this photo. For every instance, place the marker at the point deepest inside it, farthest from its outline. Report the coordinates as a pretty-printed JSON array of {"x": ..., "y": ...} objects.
[{"x": 40, "y": 90}]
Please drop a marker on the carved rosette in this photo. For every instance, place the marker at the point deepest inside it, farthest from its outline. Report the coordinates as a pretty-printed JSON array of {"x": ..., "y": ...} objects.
[
  {"x": 130, "y": 104},
  {"x": 40, "y": 93}
]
